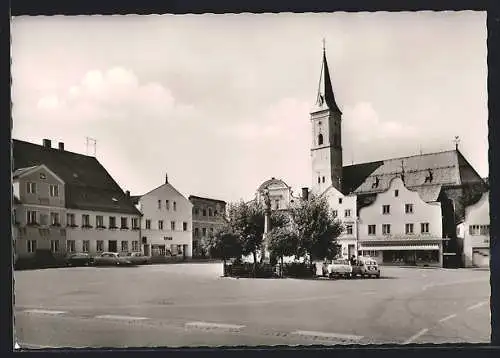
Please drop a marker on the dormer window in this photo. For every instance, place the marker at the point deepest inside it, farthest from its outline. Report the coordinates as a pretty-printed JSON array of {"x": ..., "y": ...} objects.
[
  {"x": 323, "y": 179},
  {"x": 375, "y": 183},
  {"x": 319, "y": 180}
]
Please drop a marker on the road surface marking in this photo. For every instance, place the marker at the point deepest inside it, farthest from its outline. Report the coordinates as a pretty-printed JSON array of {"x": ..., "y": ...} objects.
[
  {"x": 213, "y": 325},
  {"x": 415, "y": 336},
  {"x": 37, "y": 311},
  {"x": 125, "y": 318},
  {"x": 328, "y": 335},
  {"x": 477, "y": 305},
  {"x": 447, "y": 318}
]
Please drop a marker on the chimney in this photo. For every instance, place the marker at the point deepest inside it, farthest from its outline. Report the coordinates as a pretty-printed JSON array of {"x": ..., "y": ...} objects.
[
  {"x": 305, "y": 193},
  {"x": 166, "y": 178},
  {"x": 61, "y": 146},
  {"x": 47, "y": 143},
  {"x": 127, "y": 193}
]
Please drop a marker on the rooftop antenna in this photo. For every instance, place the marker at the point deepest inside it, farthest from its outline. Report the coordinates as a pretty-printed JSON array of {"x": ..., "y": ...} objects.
[
  {"x": 91, "y": 141},
  {"x": 456, "y": 141}
]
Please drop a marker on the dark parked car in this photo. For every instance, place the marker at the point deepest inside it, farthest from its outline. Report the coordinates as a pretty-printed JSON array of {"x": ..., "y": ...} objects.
[
  {"x": 138, "y": 258},
  {"x": 79, "y": 259},
  {"x": 111, "y": 259}
]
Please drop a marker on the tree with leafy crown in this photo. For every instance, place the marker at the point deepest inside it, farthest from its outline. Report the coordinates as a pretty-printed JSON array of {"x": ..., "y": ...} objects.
[{"x": 317, "y": 229}]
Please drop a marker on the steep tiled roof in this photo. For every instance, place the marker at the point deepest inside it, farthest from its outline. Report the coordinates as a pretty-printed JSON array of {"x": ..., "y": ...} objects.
[
  {"x": 87, "y": 183},
  {"x": 448, "y": 168},
  {"x": 194, "y": 197}
]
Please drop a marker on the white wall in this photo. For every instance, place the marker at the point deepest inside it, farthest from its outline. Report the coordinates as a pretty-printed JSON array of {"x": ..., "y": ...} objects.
[
  {"x": 347, "y": 202},
  {"x": 477, "y": 214},
  {"x": 79, "y": 234},
  {"x": 182, "y": 214},
  {"x": 422, "y": 213}
]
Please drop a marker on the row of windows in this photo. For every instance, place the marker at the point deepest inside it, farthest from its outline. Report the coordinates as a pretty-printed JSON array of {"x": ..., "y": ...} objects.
[
  {"x": 409, "y": 229},
  {"x": 386, "y": 209},
  {"x": 35, "y": 218},
  {"x": 479, "y": 230},
  {"x": 167, "y": 205},
  {"x": 203, "y": 230},
  {"x": 161, "y": 226},
  {"x": 70, "y": 246},
  {"x": 204, "y": 212},
  {"x": 347, "y": 213},
  {"x": 31, "y": 188}
]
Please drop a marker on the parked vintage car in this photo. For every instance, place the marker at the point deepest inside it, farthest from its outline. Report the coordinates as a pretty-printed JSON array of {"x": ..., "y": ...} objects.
[
  {"x": 366, "y": 267},
  {"x": 338, "y": 268},
  {"x": 138, "y": 258},
  {"x": 79, "y": 259},
  {"x": 111, "y": 259}
]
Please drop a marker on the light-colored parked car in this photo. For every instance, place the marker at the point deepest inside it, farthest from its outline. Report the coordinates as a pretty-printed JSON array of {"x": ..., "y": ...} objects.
[
  {"x": 338, "y": 268},
  {"x": 111, "y": 259},
  {"x": 137, "y": 258},
  {"x": 366, "y": 267}
]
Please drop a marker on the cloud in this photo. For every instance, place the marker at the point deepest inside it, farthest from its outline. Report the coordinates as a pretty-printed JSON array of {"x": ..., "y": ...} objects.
[
  {"x": 363, "y": 123},
  {"x": 115, "y": 94}
]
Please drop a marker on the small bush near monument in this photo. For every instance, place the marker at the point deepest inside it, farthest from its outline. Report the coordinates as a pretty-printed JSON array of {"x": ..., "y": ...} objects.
[
  {"x": 246, "y": 270},
  {"x": 299, "y": 270}
]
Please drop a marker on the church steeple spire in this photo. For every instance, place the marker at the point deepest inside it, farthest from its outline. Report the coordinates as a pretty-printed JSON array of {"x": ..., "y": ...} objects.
[{"x": 325, "y": 90}]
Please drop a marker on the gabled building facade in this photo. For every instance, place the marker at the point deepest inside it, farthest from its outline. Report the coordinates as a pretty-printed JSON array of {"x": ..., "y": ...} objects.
[
  {"x": 400, "y": 228},
  {"x": 68, "y": 202},
  {"x": 166, "y": 228},
  {"x": 39, "y": 211},
  {"x": 208, "y": 216}
]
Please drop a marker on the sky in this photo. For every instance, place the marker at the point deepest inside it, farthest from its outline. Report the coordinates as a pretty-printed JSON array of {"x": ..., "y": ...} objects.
[{"x": 221, "y": 102}]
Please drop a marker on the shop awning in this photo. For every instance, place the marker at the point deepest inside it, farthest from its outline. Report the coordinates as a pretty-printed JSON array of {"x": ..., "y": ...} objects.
[{"x": 400, "y": 248}]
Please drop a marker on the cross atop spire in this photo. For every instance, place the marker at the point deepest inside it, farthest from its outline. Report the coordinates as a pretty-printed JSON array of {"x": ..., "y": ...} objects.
[{"x": 325, "y": 90}]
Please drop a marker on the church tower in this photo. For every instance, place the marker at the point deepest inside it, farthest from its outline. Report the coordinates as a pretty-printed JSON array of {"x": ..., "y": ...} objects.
[{"x": 326, "y": 149}]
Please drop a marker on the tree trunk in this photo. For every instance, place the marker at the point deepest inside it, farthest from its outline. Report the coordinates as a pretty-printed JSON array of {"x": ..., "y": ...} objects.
[
  {"x": 224, "y": 267},
  {"x": 281, "y": 267}
]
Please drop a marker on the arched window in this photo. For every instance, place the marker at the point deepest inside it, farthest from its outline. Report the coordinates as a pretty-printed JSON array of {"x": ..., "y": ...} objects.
[
  {"x": 319, "y": 180},
  {"x": 320, "y": 139}
]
